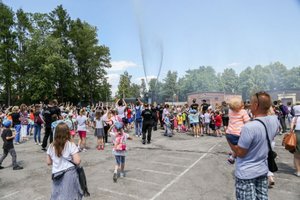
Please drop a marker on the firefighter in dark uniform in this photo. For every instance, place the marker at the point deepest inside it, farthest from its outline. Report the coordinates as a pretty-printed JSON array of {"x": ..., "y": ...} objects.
[{"x": 147, "y": 124}]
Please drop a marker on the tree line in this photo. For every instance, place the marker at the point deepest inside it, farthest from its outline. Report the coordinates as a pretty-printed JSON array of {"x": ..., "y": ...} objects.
[
  {"x": 50, "y": 55},
  {"x": 275, "y": 76}
]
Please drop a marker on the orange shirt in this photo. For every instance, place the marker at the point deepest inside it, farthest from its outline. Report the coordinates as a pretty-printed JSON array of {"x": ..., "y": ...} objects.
[{"x": 237, "y": 121}]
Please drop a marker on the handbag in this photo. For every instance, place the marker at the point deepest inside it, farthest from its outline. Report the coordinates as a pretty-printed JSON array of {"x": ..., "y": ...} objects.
[
  {"x": 289, "y": 140},
  {"x": 271, "y": 154}
]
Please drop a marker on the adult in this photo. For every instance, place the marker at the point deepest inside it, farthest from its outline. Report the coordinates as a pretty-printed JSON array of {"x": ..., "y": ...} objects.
[
  {"x": 60, "y": 154},
  {"x": 48, "y": 111},
  {"x": 154, "y": 116},
  {"x": 204, "y": 106},
  {"x": 160, "y": 115},
  {"x": 15, "y": 116},
  {"x": 38, "y": 121},
  {"x": 147, "y": 124},
  {"x": 138, "y": 120},
  {"x": 252, "y": 150},
  {"x": 280, "y": 115},
  {"x": 296, "y": 125},
  {"x": 24, "y": 122},
  {"x": 225, "y": 116},
  {"x": 194, "y": 105}
]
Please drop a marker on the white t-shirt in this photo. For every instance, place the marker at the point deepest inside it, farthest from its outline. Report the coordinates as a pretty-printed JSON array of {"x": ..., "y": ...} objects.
[
  {"x": 121, "y": 111},
  {"x": 59, "y": 163},
  {"x": 296, "y": 120},
  {"x": 99, "y": 123},
  {"x": 206, "y": 118},
  {"x": 81, "y": 120}
]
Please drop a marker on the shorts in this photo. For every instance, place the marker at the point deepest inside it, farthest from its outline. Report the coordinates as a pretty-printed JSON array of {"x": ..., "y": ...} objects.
[
  {"x": 233, "y": 139},
  {"x": 120, "y": 160},
  {"x": 217, "y": 127},
  {"x": 125, "y": 120},
  {"x": 225, "y": 121},
  {"x": 194, "y": 124},
  {"x": 99, "y": 132},
  {"x": 249, "y": 189},
  {"x": 82, "y": 134}
]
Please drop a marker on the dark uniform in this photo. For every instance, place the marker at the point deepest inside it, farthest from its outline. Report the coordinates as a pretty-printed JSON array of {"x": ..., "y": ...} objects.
[{"x": 147, "y": 125}]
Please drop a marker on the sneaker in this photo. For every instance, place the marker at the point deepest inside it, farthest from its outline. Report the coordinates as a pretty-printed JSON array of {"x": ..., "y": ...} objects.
[
  {"x": 40, "y": 144},
  {"x": 122, "y": 174},
  {"x": 1, "y": 167},
  {"x": 16, "y": 143},
  {"x": 99, "y": 147},
  {"x": 148, "y": 142},
  {"x": 44, "y": 149},
  {"x": 297, "y": 174},
  {"x": 115, "y": 177},
  {"x": 17, "y": 167},
  {"x": 36, "y": 143},
  {"x": 102, "y": 148},
  {"x": 84, "y": 150},
  {"x": 230, "y": 161},
  {"x": 144, "y": 142}
]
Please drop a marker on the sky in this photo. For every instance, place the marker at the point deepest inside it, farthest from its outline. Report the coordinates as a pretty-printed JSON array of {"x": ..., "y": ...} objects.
[{"x": 184, "y": 34}]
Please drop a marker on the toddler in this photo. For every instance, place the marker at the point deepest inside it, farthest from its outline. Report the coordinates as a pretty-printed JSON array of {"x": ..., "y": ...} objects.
[{"x": 238, "y": 116}]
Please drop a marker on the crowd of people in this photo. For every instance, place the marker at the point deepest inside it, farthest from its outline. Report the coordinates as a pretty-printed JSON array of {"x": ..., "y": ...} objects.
[{"x": 234, "y": 119}]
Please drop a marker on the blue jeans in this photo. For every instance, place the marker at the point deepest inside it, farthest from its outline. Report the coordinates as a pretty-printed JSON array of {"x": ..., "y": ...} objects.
[
  {"x": 37, "y": 132},
  {"x": 138, "y": 127},
  {"x": 18, "y": 129}
]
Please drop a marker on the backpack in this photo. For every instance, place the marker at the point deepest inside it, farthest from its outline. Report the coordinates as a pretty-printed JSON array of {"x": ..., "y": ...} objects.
[
  {"x": 120, "y": 144},
  {"x": 138, "y": 114},
  {"x": 285, "y": 110}
]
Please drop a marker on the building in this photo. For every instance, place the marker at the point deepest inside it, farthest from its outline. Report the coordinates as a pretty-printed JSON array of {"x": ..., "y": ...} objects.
[
  {"x": 286, "y": 95},
  {"x": 212, "y": 98}
]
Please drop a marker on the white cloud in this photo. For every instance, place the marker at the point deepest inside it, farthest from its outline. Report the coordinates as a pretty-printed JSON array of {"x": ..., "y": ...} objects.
[
  {"x": 121, "y": 65},
  {"x": 232, "y": 65},
  {"x": 113, "y": 80}
]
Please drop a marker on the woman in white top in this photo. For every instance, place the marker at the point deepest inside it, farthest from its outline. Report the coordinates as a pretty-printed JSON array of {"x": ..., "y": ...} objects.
[{"x": 65, "y": 183}]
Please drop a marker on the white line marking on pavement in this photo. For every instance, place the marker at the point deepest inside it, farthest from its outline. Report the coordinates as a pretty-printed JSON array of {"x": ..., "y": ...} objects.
[
  {"x": 183, "y": 173},
  {"x": 141, "y": 181},
  {"x": 169, "y": 164},
  {"x": 9, "y": 195},
  {"x": 174, "y": 157},
  {"x": 157, "y": 172},
  {"x": 120, "y": 193}
]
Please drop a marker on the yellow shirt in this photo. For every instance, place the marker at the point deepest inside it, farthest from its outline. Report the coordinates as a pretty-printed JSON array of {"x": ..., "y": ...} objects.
[{"x": 179, "y": 120}]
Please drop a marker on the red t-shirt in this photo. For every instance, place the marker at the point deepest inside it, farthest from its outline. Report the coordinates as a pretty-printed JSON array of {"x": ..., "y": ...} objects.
[
  {"x": 128, "y": 113},
  {"x": 218, "y": 119}
]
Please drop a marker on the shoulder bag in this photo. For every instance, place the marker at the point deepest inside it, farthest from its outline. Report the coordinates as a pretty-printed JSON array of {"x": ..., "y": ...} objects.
[
  {"x": 272, "y": 154},
  {"x": 289, "y": 140}
]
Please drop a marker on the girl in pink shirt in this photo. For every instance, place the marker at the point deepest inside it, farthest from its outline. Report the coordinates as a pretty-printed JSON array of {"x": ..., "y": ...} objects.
[{"x": 238, "y": 116}]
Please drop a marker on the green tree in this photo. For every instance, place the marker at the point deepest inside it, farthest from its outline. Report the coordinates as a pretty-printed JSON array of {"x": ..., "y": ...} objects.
[
  {"x": 124, "y": 87},
  {"x": 8, "y": 48},
  {"x": 143, "y": 87},
  {"x": 170, "y": 87},
  {"x": 229, "y": 81}
]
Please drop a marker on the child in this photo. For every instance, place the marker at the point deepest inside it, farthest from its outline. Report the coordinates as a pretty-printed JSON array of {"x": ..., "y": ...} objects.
[
  {"x": 218, "y": 123},
  {"x": 206, "y": 122},
  {"x": 179, "y": 122},
  {"x": 99, "y": 129},
  {"x": 238, "y": 116},
  {"x": 119, "y": 149},
  {"x": 8, "y": 145},
  {"x": 71, "y": 124},
  {"x": 194, "y": 121},
  {"x": 168, "y": 125}
]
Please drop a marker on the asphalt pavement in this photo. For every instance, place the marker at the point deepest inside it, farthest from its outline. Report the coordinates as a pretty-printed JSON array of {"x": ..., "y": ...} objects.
[{"x": 177, "y": 168}]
